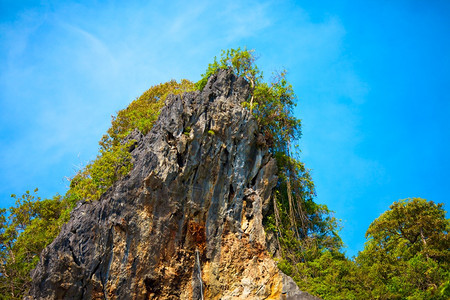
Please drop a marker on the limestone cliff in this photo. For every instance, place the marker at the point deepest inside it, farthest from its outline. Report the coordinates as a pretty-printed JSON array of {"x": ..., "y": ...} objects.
[{"x": 186, "y": 223}]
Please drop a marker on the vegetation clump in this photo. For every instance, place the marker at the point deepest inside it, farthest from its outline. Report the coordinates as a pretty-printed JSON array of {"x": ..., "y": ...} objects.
[
  {"x": 25, "y": 229},
  {"x": 143, "y": 112}
]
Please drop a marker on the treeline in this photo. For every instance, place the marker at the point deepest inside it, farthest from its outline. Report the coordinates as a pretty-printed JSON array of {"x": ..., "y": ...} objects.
[
  {"x": 406, "y": 256},
  {"x": 407, "y": 251}
]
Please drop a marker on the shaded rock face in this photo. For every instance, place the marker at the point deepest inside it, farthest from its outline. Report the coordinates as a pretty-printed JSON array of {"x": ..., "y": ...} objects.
[{"x": 186, "y": 223}]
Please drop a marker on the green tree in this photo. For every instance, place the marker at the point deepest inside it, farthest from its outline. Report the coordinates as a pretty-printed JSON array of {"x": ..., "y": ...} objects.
[
  {"x": 331, "y": 276},
  {"x": 25, "y": 229},
  {"x": 407, "y": 254}
]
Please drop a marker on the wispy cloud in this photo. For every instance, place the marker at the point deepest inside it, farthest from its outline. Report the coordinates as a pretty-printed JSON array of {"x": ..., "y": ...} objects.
[{"x": 90, "y": 53}]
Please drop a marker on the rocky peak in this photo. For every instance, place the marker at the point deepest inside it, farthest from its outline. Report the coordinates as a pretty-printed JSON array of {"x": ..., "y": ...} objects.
[{"x": 186, "y": 223}]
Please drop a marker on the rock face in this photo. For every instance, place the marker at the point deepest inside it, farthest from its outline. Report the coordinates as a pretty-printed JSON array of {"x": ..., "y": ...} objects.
[{"x": 186, "y": 223}]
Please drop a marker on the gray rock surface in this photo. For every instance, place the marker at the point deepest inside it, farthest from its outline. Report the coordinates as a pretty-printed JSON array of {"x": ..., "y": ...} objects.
[{"x": 186, "y": 223}]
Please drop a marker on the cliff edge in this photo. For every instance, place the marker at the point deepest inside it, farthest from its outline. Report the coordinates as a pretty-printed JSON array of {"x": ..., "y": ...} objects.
[{"x": 186, "y": 223}]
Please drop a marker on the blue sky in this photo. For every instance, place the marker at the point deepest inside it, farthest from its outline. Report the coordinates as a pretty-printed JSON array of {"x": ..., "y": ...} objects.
[{"x": 372, "y": 79}]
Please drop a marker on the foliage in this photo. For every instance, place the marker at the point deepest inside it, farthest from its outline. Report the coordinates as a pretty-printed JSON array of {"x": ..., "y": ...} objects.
[
  {"x": 331, "y": 276},
  {"x": 271, "y": 103},
  {"x": 240, "y": 61},
  {"x": 111, "y": 164},
  {"x": 142, "y": 113},
  {"x": 25, "y": 229},
  {"x": 407, "y": 255}
]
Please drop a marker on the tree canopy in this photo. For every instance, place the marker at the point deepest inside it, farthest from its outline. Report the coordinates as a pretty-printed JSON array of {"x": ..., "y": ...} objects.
[
  {"x": 407, "y": 255},
  {"x": 25, "y": 229}
]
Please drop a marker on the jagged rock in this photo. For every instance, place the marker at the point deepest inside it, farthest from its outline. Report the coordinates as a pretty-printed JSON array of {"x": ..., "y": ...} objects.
[{"x": 186, "y": 223}]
